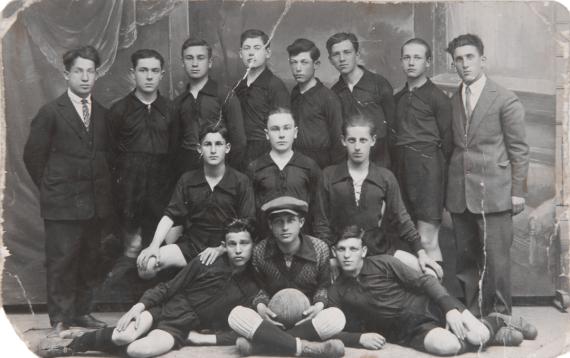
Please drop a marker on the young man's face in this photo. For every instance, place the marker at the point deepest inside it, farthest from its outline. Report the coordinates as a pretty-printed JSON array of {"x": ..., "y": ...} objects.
[
  {"x": 343, "y": 57},
  {"x": 468, "y": 63},
  {"x": 303, "y": 67},
  {"x": 214, "y": 149},
  {"x": 196, "y": 62},
  {"x": 239, "y": 247},
  {"x": 414, "y": 61},
  {"x": 350, "y": 253},
  {"x": 281, "y": 131},
  {"x": 81, "y": 76},
  {"x": 148, "y": 74},
  {"x": 286, "y": 227},
  {"x": 358, "y": 142},
  {"x": 253, "y": 53}
]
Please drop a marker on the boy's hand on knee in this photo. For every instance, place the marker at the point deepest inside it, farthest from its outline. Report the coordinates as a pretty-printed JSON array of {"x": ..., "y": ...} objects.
[
  {"x": 427, "y": 263},
  {"x": 455, "y": 322},
  {"x": 268, "y": 315},
  {"x": 210, "y": 254},
  {"x": 146, "y": 255},
  {"x": 372, "y": 341},
  {"x": 134, "y": 314},
  {"x": 311, "y": 312}
]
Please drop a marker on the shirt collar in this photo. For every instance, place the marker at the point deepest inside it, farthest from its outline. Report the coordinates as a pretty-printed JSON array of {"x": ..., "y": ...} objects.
[
  {"x": 296, "y": 160},
  {"x": 476, "y": 87},
  {"x": 366, "y": 82},
  {"x": 297, "y": 92},
  {"x": 341, "y": 173},
  {"x": 76, "y": 99},
  {"x": 198, "y": 178},
  {"x": 160, "y": 103},
  {"x": 210, "y": 88},
  {"x": 261, "y": 81},
  {"x": 306, "y": 250},
  {"x": 422, "y": 91}
]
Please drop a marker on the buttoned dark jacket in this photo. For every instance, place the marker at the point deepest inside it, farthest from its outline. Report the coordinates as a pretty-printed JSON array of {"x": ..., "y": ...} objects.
[
  {"x": 68, "y": 163},
  {"x": 337, "y": 208},
  {"x": 263, "y": 95},
  {"x": 318, "y": 114},
  {"x": 371, "y": 97},
  {"x": 213, "y": 103}
]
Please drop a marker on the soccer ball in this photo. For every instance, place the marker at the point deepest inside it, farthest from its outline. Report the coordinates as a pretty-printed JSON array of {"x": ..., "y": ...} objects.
[{"x": 289, "y": 305}]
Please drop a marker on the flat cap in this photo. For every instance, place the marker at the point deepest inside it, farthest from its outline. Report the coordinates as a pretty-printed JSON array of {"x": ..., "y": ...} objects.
[{"x": 285, "y": 204}]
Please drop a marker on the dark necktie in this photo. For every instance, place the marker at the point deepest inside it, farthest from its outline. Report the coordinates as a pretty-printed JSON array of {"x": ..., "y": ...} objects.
[
  {"x": 86, "y": 115},
  {"x": 468, "y": 107}
]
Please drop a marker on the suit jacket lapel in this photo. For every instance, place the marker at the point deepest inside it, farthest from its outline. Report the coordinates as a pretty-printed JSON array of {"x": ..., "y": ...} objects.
[
  {"x": 70, "y": 115},
  {"x": 485, "y": 102}
]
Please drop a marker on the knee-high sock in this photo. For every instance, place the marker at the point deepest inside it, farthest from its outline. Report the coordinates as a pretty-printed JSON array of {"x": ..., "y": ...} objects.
[
  {"x": 99, "y": 340},
  {"x": 305, "y": 331},
  {"x": 275, "y": 339}
]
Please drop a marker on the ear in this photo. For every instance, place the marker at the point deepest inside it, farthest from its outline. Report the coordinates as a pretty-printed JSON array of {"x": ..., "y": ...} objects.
[
  {"x": 223, "y": 243},
  {"x": 211, "y": 62},
  {"x": 199, "y": 150},
  {"x": 428, "y": 62},
  {"x": 317, "y": 64},
  {"x": 364, "y": 251},
  {"x": 266, "y": 133},
  {"x": 267, "y": 53},
  {"x": 373, "y": 141},
  {"x": 343, "y": 140},
  {"x": 334, "y": 251},
  {"x": 66, "y": 75},
  {"x": 228, "y": 147},
  {"x": 301, "y": 222},
  {"x": 295, "y": 132},
  {"x": 483, "y": 61}
]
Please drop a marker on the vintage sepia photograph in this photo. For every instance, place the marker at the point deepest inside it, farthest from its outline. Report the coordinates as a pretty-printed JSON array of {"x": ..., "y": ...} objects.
[{"x": 291, "y": 178}]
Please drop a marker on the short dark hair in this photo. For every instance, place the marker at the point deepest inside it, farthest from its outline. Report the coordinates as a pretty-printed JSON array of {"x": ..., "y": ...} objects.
[
  {"x": 464, "y": 40},
  {"x": 146, "y": 53},
  {"x": 281, "y": 110},
  {"x": 252, "y": 34},
  {"x": 304, "y": 45},
  {"x": 359, "y": 120},
  {"x": 351, "y": 232},
  {"x": 193, "y": 41},
  {"x": 86, "y": 52},
  {"x": 417, "y": 41},
  {"x": 214, "y": 128},
  {"x": 340, "y": 37},
  {"x": 240, "y": 225}
]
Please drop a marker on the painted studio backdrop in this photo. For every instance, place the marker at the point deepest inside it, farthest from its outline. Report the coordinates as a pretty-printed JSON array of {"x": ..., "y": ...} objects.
[{"x": 521, "y": 45}]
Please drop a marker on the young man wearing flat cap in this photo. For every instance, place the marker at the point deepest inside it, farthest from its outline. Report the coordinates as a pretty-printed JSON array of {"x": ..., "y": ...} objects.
[{"x": 289, "y": 259}]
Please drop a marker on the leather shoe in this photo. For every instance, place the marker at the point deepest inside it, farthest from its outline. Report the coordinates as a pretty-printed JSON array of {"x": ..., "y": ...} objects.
[
  {"x": 507, "y": 336},
  {"x": 520, "y": 324},
  {"x": 88, "y": 321},
  {"x": 54, "y": 347}
]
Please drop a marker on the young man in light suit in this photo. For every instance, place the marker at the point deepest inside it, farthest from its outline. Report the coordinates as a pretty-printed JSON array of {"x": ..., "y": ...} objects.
[
  {"x": 66, "y": 156},
  {"x": 487, "y": 174}
]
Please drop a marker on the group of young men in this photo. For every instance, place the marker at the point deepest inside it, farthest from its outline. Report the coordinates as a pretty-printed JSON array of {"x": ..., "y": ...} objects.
[{"x": 337, "y": 193}]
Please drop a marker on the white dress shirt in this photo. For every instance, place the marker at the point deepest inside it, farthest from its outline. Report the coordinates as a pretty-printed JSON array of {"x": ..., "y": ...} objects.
[
  {"x": 476, "y": 90},
  {"x": 76, "y": 100}
]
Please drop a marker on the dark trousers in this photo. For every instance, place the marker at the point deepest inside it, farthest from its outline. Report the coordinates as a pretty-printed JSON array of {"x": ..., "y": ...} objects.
[
  {"x": 483, "y": 244},
  {"x": 72, "y": 248}
]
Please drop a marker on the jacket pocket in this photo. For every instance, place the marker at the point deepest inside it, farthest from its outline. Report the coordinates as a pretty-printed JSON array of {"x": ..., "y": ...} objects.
[{"x": 504, "y": 164}]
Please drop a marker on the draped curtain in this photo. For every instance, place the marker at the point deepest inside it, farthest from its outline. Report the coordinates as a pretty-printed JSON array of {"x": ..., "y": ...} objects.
[{"x": 31, "y": 56}]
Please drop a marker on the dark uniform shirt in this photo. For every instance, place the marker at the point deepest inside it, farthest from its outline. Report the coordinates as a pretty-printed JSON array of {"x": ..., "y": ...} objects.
[
  {"x": 205, "y": 212},
  {"x": 299, "y": 179},
  {"x": 372, "y": 96},
  {"x": 318, "y": 114},
  {"x": 309, "y": 271},
  {"x": 212, "y": 104},
  {"x": 423, "y": 118},
  {"x": 390, "y": 298},
  {"x": 136, "y": 127},
  {"x": 337, "y": 208},
  {"x": 210, "y": 292},
  {"x": 263, "y": 95}
]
